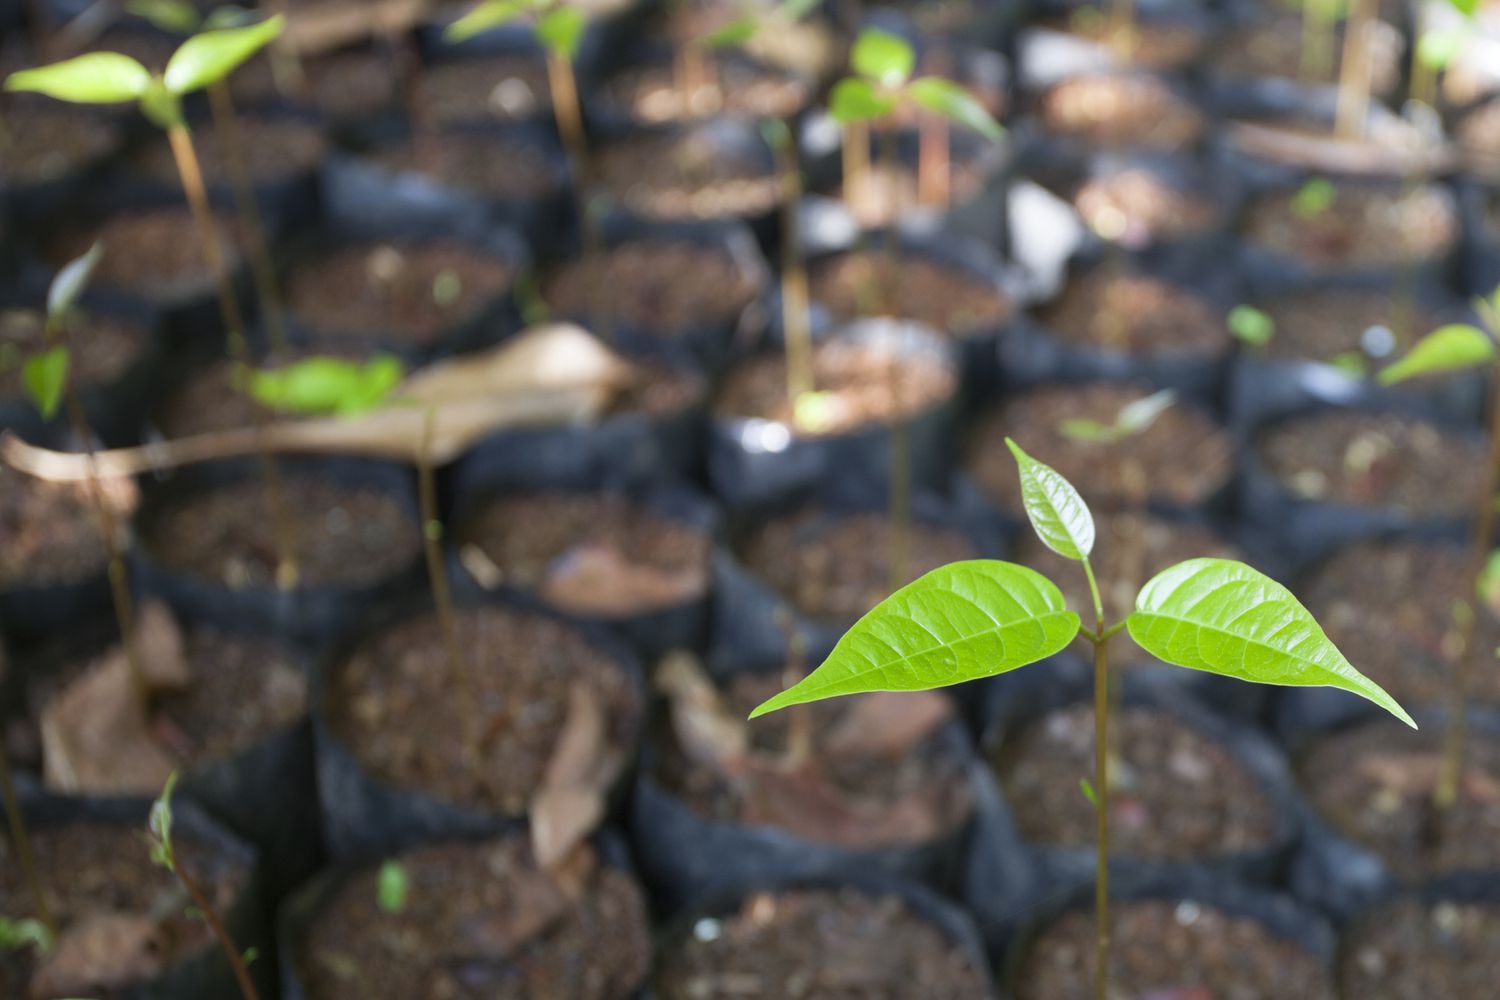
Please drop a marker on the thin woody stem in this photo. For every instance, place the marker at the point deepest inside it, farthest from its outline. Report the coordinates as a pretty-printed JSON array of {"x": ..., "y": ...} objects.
[
  {"x": 22, "y": 842},
  {"x": 1101, "y": 789},
  {"x": 211, "y": 917}
]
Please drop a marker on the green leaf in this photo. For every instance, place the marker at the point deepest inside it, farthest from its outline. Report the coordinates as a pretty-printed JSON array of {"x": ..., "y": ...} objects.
[
  {"x": 25, "y": 933},
  {"x": 1251, "y": 326},
  {"x": 176, "y": 17},
  {"x": 1437, "y": 49},
  {"x": 1313, "y": 198},
  {"x": 159, "y": 827},
  {"x": 1058, "y": 514},
  {"x": 883, "y": 57},
  {"x": 796, "y": 10},
  {"x": 1137, "y": 416},
  {"x": 70, "y": 282},
  {"x": 323, "y": 385},
  {"x": 1468, "y": 8},
  {"x": 392, "y": 887},
  {"x": 856, "y": 100},
  {"x": 954, "y": 102},
  {"x": 94, "y": 78},
  {"x": 1092, "y": 431},
  {"x": 161, "y": 107},
  {"x": 734, "y": 34},
  {"x": 210, "y": 56},
  {"x": 957, "y": 623},
  {"x": 486, "y": 17},
  {"x": 561, "y": 30},
  {"x": 1226, "y": 618},
  {"x": 1087, "y": 787},
  {"x": 1446, "y": 349},
  {"x": 46, "y": 376},
  {"x": 1351, "y": 363}
]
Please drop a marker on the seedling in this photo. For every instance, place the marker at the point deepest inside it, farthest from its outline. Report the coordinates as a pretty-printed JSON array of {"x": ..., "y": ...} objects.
[
  {"x": 1313, "y": 199},
  {"x": 1318, "y": 20},
  {"x": 1437, "y": 48},
  {"x": 979, "y": 618},
  {"x": 200, "y": 62},
  {"x": 164, "y": 855},
  {"x": 1134, "y": 418},
  {"x": 1251, "y": 327},
  {"x": 1355, "y": 67},
  {"x": 392, "y": 888},
  {"x": 1451, "y": 348},
  {"x": 16, "y": 935}
]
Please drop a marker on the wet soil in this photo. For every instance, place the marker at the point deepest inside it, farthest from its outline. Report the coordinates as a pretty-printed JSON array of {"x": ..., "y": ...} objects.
[
  {"x": 1362, "y": 227},
  {"x": 154, "y": 253},
  {"x": 1424, "y": 949},
  {"x": 1329, "y": 323},
  {"x": 1137, "y": 208},
  {"x": 1134, "y": 111},
  {"x": 480, "y": 165},
  {"x": 277, "y": 150},
  {"x": 947, "y": 299},
  {"x": 1136, "y": 315},
  {"x": 45, "y": 144},
  {"x": 686, "y": 176},
  {"x": 663, "y": 289},
  {"x": 659, "y": 95},
  {"x": 51, "y": 530},
  {"x": 499, "y": 88}
]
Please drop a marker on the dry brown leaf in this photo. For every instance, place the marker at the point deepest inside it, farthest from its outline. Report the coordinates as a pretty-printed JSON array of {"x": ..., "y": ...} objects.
[
  {"x": 707, "y": 731},
  {"x": 569, "y": 805},
  {"x": 804, "y": 804},
  {"x": 888, "y": 723},
  {"x": 596, "y": 579},
  {"x": 101, "y": 953}
]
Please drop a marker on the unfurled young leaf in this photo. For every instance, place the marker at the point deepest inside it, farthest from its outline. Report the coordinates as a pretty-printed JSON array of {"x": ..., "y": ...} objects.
[
  {"x": 882, "y": 57},
  {"x": 94, "y": 78},
  {"x": 209, "y": 57},
  {"x": 486, "y": 17},
  {"x": 1087, "y": 787},
  {"x": 1138, "y": 415},
  {"x": 1446, "y": 349},
  {"x": 392, "y": 887},
  {"x": 176, "y": 17},
  {"x": 70, "y": 282},
  {"x": 1251, "y": 326},
  {"x": 45, "y": 375},
  {"x": 857, "y": 100},
  {"x": 560, "y": 30},
  {"x": 1437, "y": 48},
  {"x": 1313, "y": 198},
  {"x": 734, "y": 34},
  {"x": 1058, "y": 514},
  {"x": 957, "y": 623},
  {"x": 161, "y": 107},
  {"x": 1227, "y": 618},
  {"x": 159, "y": 827},
  {"x": 324, "y": 385},
  {"x": 27, "y": 933},
  {"x": 955, "y": 103}
]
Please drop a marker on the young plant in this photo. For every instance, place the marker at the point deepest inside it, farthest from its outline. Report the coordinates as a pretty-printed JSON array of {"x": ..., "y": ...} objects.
[
  {"x": 1313, "y": 199},
  {"x": 982, "y": 617},
  {"x": 200, "y": 62},
  {"x": 1452, "y": 348},
  {"x": 1319, "y": 17},
  {"x": 392, "y": 888},
  {"x": 164, "y": 854},
  {"x": 1251, "y": 327},
  {"x": 1436, "y": 48}
]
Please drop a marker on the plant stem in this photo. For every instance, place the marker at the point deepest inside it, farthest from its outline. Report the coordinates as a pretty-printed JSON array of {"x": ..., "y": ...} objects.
[
  {"x": 901, "y": 487},
  {"x": 232, "y": 142},
  {"x": 796, "y": 299},
  {"x": 568, "y": 113},
  {"x": 191, "y": 174},
  {"x": 1317, "y": 41},
  {"x": 856, "y": 165},
  {"x": 442, "y": 598},
  {"x": 1101, "y": 790},
  {"x": 1122, "y": 22},
  {"x": 934, "y": 169},
  {"x": 1354, "y": 71},
  {"x": 1423, "y": 80},
  {"x": 211, "y": 917},
  {"x": 22, "y": 841}
]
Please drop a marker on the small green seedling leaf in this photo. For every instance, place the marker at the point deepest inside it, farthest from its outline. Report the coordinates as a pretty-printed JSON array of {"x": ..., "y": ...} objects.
[
  {"x": 1439, "y": 47},
  {"x": 885, "y": 58},
  {"x": 176, "y": 17},
  {"x": 486, "y": 17},
  {"x": 93, "y": 78},
  {"x": 857, "y": 100},
  {"x": 1251, "y": 326},
  {"x": 1091, "y": 431},
  {"x": 392, "y": 887},
  {"x": 815, "y": 412},
  {"x": 957, "y": 623},
  {"x": 1488, "y": 584},
  {"x": 1313, "y": 198},
  {"x": 1351, "y": 363},
  {"x": 1446, "y": 349},
  {"x": 734, "y": 34},
  {"x": 955, "y": 103},
  {"x": 1137, "y": 416},
  {"x": 159, "y": 827},
  {"x": 45, "y": 376},
  {"x": 323, "y": 385},
  {"x": 67, "y": 287},
  {"x": 1058, "y": 514},
  {"x": 1227, "y": 618},
  {"x": 796, "y": 10},
  {"x": 1088, "y": 792},
  {"x": 16, "y": 935},
  {"x": 209, "y": 57},
  {"x": 560, "y": 30},
  {"x": 1468, "y": 8}
]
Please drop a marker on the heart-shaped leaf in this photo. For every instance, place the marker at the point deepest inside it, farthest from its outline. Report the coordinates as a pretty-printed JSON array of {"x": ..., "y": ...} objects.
[
  {"x": 883, "y": 57},
  {"x": 1058, "y": 514},
  {"x": 954, "y": 102},
  {"x": 210, "y": 56},
  {"x": 93, "y": 78},
  {"x": 1227, "y": 618},
  {"x": 45, "y": 376},
  {"x": 856, "y": 100},
  {"x": 957, "y": 623},
  {"x": 1446, "y": 349}
]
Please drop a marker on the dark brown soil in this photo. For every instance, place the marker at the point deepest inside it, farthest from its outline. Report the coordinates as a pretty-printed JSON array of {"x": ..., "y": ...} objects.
[
  {"x": 349, "y": 84},
  {"x": 1374, "y": 784},
  {"x": 278, "y": 149},
  {"x": 51, "y": 530},
  {"x": 1322, "y": 324},
  {"x": 855, "y": 378},
  {"x": 1418, "y": 949},
  {"x": 658, "y": 95},
  {"x": 397, "y": 708},
  {"x": 686, "y": 176},
  {"x": 51, "y": 143},
  {"x": 1138, "y": 208},
  {"x": 1271, "y": 47},
  {"x": 1375, "y": 460},
  {"x": 829, "y": 944},
  {"x": 1388, "y": 605},
  {"x": 1478, "y": 132},
  {"x": 480, "y": 921},
  {"x": 414, "y": 292},
  {"x": 660, "y": 391},
  {"x": 665, "y": 289},
  {"x": 541, "y": 542},
  {"x": 949, "y": 300},
  {"x": 150, "y": 48},
  {"x": 1161, "y": 45},
  {"x": 809, "y": 46},
  {"x": 1363, "y": 227},
  {"x": 924, "y": 783},
  {"x": 1181, "y": 460},
  {"x": 503, "y": 88},
  {"x": 344, "y": 536},
  {"x": 1174, "y": 793},
  {"x": 1136, "y": 315},
  {"x": 888, "y": 191},
  {"x": 91, "y": 871},
  {"x": 839, "y": 568},
  {"x": 1111, "y": 110},
  {"x": 101, "y": 348},
  {"x": 154, "y": 253},
  {"x": 480, "y": 165},
  {"x": 1171, "y": 951}
]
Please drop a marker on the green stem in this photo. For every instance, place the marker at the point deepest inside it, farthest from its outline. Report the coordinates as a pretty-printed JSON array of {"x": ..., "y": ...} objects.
[
  {"x": 795, "y": 295},
  {"x": 211, "y": 917},
  {"x": 1101, "y": 790},
  {"x": 568, "y": 113},
  {"x": 901, "y": 486}
]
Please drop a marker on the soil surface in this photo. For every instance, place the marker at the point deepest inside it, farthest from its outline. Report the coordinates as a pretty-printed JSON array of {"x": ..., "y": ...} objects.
[
  {"x": 1136, "y": 315},
  {"x": 1160, "y": 45},
  {"x": 1388, "y": 605},
  {"x": 854, "y": 380},
  {"x": 947, "y": 299},
  {"x": 94, "y": 874},
  {"x": 659, "y": 95},
  {"x": 1325, "y": 324},
  {"x": 1109, "y": 110},
  {"x": 888, "y": 190},
  {"x": 1188, "y": 456},
  {"x": 687, "y": 176},
  {"x": 480, "y": 165},
  {"x": 837, "y": 568},
  {"x": 1174, "y": 793},
  {"x": 1269, "y": 48},
  {"x": 277, "y": 149},
  {"x": 101, "y": 349},
  {"x": 1171, "y": 951},
  {"x": 875, "y": 797},
  {"x": 1375, "y": 460},
  {"x": 660, "y": 391},
  {"x": 828, "y": 944},
  {"x": 1362, "y": 227},
  {"x": 415, "y": 293},
  {"x": 348, "y": 84},
  {"x": 481, "y": 922},
  {"x": 663, "y": 289},
  {"x": 1137, "y": 208},
  {"x": 503, "y": 88},
  {"x": 344, "y": 536},
  {"x": 592, "y": 553},
  {"x": 51, "y": 530},
  {"x": 395, "y": 705},
  {"x": 1478, "y": 132},
  {"x": 1373, "y": 783},
  {"x": 1421, "y": 949},
  {"x": 154, "y": 253},
  {"x": 51, "y": 143}
]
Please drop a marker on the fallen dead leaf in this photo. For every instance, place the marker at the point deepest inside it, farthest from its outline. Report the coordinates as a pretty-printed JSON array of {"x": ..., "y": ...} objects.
[
  {"x": 888, "y": 723},
  {"x": 569, "y": 804},
  {"x": 597, "y": 579},
  {"x": 708, "y": 732}
]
